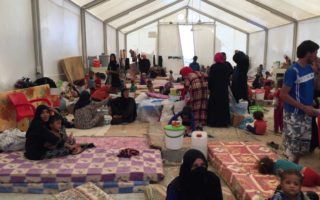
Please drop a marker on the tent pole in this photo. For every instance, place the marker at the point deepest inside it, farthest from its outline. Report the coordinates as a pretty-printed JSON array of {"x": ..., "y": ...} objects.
[
  {"x": 105, "y": 41},
  {"x": 294, "y": 41},
  {"x": 248, "y": 40},
  {"x": 83, "y": 36},
  {"x": 265, "y": 48},
  {"x": 37, "y": 38},
  {"x": 117, "y": 43}
]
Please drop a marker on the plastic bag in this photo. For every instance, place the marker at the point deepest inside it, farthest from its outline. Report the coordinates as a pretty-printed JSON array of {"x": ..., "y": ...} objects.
[{"x": 12, "y": 140}]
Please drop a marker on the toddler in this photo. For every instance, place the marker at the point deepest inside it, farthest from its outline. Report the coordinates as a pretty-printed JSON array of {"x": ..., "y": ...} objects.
[
  {"x": 268, "y": 166},
  {"x": 290, "y": 186},
  {"x": 260, "y": 126}
]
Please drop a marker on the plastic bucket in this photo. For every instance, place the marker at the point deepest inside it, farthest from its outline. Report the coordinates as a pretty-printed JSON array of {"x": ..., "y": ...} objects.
[
  {"x": 174, "y": 138},
  {"x": 259, "y": 94}
]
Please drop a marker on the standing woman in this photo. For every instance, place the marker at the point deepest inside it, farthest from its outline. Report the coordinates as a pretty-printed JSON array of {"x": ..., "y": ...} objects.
[
  {"x": 239, "y": 84},
  {"x": 218, "y": 104},
  {"x": 197, "y": 86},
  {"x": 86, "y": 115},
  {"x": 113, "y": 71}
]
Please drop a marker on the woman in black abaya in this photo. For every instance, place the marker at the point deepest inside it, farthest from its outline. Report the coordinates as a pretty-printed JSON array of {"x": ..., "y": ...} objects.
[
  {"x": 195, "y": 182},
  {"x": 218, "y": 104}
]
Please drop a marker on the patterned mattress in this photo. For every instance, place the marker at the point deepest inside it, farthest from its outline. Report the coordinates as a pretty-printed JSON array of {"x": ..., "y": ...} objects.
[
  {"x": 53, "y": 188},
  {"x": 139, "y": 143},
  {"x": 236, "y": 161},
  {"x": 95, "y": 165}
]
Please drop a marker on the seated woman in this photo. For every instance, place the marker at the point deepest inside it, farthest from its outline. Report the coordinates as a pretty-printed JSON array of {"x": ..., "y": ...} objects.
[
  {"x": 123, "y": 109},
  {"x": 195, "y": 182},
  {"x": 85, "y": 113},
  {"x": 38, "y": 136}
]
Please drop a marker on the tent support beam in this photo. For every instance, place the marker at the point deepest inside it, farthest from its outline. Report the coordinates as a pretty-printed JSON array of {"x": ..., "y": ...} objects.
[
  {"x": 128, "y": 11},
  {"x": 273, "y": 11},
  {"x": 235, "y": 14},
  {"x": 37, "y": 38},
  {"x": 83, "y": 36},
  {"x": 247, "y": 43},
  {"x": 294, "y": 40},
  {"x": 93, "y": 4},
  {"x": 148, "y": 14},
  {"x": 220, "y": 21},
  {"x": 105, "y": 41},
  {"x": 265, "y": 53},
  {"x": 117, "y": 43},
  {"x": 214, "y": 37},
  {"x": 155, "y": 20},
  {"x": 158, "y": 40},
  {"x": 125, "y": 41}
]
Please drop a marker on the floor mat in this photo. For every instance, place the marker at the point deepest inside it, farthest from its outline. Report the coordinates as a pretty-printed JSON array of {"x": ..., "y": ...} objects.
[
  {"x": 138, "y": 143},
  {"x": 136, "y": 129},
  {"x": 93, "y": 132}
]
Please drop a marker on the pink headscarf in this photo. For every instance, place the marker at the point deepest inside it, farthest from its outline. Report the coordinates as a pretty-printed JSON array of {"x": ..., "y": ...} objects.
[
  {"x": 185, "y": 71},
  {"x": 219, "y": 58}
]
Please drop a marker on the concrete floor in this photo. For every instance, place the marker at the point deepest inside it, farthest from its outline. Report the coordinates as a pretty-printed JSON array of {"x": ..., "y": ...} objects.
[{"x": 226, "y": 134}]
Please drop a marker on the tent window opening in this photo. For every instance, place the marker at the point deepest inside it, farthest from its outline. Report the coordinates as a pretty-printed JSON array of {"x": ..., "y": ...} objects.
[{"x": 187, "y": 43}]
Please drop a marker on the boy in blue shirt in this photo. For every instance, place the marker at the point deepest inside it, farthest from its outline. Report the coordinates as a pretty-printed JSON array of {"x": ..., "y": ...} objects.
[{"x": 297, "y": 94}]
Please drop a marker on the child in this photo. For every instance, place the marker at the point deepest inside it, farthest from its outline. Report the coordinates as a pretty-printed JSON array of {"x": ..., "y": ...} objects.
[
  {"x": 187, "y": 119},
  {"x": 97, "y": 80},
  {"x": 143, "y": 79},
  {"x": 278, "y": 109},
  {"x": 268, "y": 166},
  {"x": 171, "y": 79},
  {"x": 91, "y": 82},
  {"x": 133, "y": 87},
  {"x": 56, "y": 128},
  {"x": 290, "y": 187},
  {"x": 260, "y": 126},
  {"x": 150, "y": 86},
  {"x": 267, "y": 89}
]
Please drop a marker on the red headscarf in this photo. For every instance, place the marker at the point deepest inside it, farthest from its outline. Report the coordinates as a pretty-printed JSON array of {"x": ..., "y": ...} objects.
[
  {"x": 185, "y": 71},
  {"x": 219, "y": 58}
]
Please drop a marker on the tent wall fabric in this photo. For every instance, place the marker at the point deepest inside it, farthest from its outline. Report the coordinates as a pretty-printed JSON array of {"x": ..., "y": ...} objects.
[
  {"x": 228, "y": 40},
  {"x": 203, "y": 36},
  {"x": 60, "y": 34},
  {"x": 17, "y": 57},
  {"x": 111, "y": 40},
  {"x": 94, "y": 30},
  {"x": 142, "y": 41},
  {"x": 309, "y": 30},
  {"x": 256, "y": 51},
  {"x": 280, "y": 43},
  {"x": 171, "y": 52}
]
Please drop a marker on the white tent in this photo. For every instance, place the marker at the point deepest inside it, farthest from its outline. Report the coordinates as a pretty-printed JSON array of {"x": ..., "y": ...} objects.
[{"x": 36, "y": 34}]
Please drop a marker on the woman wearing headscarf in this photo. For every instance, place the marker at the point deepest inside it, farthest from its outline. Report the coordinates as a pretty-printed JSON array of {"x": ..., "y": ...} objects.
[
  {"x": 114, "y": 72},
  {"x": 196, "y": 84},
  {"x": 239, "y": 84},
  {"x": 218, "y": 104},
  {"x": 38, "y": 136},
  {"x": 86, "y": 115},
  {"x": 195, "y": 182},
  {"x": 123, "y": 109}
]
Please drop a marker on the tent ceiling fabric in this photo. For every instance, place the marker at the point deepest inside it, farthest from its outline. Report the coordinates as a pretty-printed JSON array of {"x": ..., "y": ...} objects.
[
  {"x": 140, "y": 12},
  {"x": 248, "y": 15},
  {"x": 157, "y": 16}
]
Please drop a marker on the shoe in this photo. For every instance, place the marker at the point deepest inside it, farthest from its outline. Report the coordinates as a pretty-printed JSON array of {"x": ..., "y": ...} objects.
[{"x": 273, "y": 145}]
